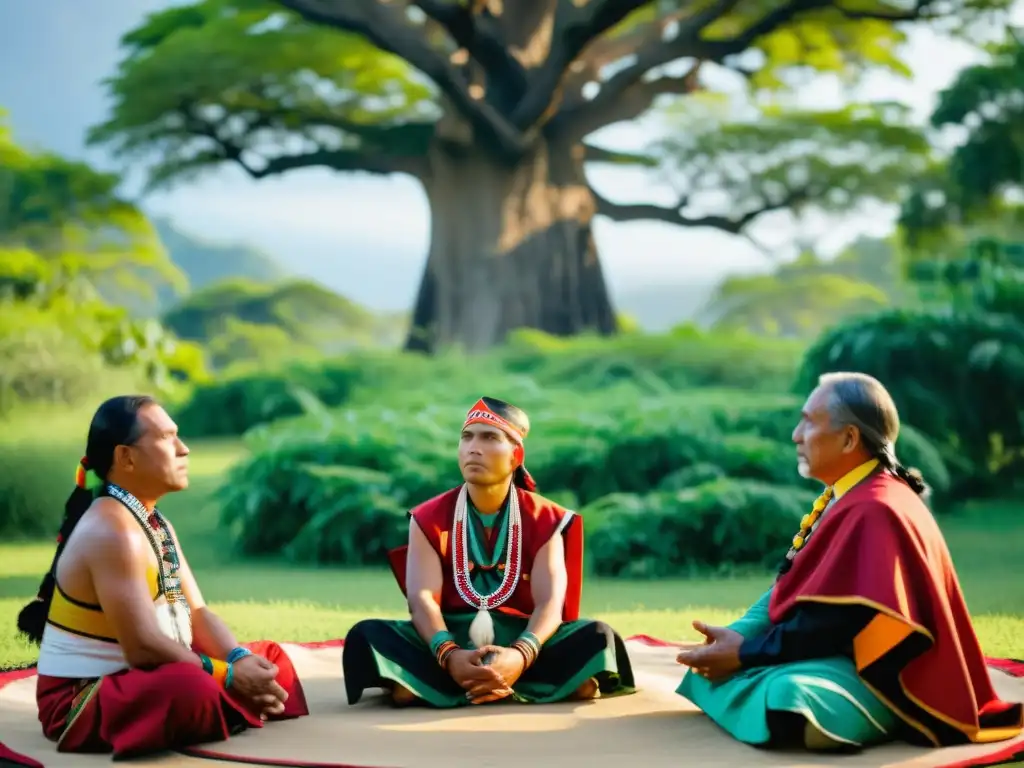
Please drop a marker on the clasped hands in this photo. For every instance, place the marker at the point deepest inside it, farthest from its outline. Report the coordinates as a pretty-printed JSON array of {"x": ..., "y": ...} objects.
[
  {"x": 255, "y": 681},
  {"x": 490, "y": 682},
  {"x": 717, "y": 657}
]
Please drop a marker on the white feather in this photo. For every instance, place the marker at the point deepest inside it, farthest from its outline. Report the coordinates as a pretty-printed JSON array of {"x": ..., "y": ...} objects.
[{"x": 481, "y": 631}]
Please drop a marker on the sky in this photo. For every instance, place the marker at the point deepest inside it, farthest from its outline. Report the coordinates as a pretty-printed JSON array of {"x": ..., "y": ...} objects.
[{"x": 371, "y": 233}]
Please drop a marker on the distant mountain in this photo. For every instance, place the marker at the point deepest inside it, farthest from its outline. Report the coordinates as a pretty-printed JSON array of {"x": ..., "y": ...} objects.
[
  {"x": 205, "y": 262},
  {"x": 658, "y": 308}
]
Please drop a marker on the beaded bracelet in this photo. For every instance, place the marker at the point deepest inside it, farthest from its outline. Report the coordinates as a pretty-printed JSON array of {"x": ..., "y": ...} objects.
[
  {"x": 238, "y": 654},
  {"x": 528, "y": 645}
]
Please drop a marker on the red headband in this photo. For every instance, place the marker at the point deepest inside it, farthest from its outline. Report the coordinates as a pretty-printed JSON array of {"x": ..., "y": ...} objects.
[{"x": 481, "y": 414}]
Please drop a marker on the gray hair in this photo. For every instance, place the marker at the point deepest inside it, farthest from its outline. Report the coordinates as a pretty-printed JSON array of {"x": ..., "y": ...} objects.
[{"x": 859, "y": 400}]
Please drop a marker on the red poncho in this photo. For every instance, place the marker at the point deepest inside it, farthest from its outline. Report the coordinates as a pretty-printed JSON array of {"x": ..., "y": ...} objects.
[{"x": 879, "y": 546}]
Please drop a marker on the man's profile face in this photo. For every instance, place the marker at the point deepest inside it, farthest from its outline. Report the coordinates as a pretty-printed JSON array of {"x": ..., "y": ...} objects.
[
  {"x": 486, "y": 455},
  {"x": 158, "y": 461},
  {"x": 821, "y": 449}
]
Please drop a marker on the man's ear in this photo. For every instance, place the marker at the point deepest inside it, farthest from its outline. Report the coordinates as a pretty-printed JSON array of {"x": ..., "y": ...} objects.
[
  {"x": 851, "y": 439},
  {"x": 123, "y": 458}
]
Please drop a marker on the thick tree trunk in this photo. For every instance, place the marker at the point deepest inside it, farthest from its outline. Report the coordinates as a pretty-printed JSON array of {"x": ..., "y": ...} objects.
[{"x": 511, "y": 247}]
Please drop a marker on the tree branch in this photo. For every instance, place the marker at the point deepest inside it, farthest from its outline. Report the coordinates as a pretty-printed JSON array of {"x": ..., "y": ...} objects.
[
  {"x": 575, "y": 27},
  {"x": 369, "y": 159},
  {"x": 689, "y": 43},
  {"x": 611, "y": 106},
  {"x": 673, "y": 214},
  {"x": 484, "y": 45},
  {"x": 384, "y": 27}
]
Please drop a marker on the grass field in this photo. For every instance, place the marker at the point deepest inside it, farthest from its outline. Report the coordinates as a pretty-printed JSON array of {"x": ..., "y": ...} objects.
[{"x": 274, "y": 600}]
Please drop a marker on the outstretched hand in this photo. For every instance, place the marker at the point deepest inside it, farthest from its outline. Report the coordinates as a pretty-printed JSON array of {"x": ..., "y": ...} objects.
[{"x": 718, "y": 656}]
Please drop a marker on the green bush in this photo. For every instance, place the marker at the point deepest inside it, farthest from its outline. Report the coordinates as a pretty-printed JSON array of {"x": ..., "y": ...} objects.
[
  {"x": 715, "y": 526},
  {"x": 526, "y": 371},
  {"x": 36, "y": 480},
  {"x": 333, "y": 486},
  {"x": 956, "y": 377}
]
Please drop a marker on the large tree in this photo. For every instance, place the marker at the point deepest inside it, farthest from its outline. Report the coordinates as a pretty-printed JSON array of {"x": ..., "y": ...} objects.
[{"x": 489, "y": 103}]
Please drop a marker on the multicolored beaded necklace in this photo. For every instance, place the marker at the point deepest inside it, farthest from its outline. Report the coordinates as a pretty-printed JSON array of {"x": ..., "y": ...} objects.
[
  {"x": 160, "y": 538},
  {"x": 482, "y": 629}
]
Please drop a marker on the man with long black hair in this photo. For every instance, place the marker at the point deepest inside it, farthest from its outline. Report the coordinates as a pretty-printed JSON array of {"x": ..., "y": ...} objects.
[
  {"x": 131, "y": 659},
  {"x": 493, "y": 574}
]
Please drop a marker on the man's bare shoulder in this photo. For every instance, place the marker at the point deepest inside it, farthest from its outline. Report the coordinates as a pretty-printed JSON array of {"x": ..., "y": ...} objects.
[{"x": 107, "y": 526}]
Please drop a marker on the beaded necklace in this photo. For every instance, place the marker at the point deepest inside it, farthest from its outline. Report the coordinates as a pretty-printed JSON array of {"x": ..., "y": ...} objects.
[
  {"x": 481, "y": 631},
  {"x": 162, "y": 542}
]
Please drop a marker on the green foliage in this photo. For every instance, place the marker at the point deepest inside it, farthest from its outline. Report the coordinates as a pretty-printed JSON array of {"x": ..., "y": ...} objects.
[
  {"x": 712, "y": 526},
  {"x": 804, "y": 297},
  {"x": 38, "y": 475},
  {"x": 244, "y": 321},
  {"x": 714, "y": 468},
  {"x": 70, "y": 220},
  {"x": 65, "y": 230},
  {"x": 773, "y": 160},
  {"x": 275, "y": 76},
  {"x": 955, "y": 377},
  {"x": 335, "y": 485},
  {"x": 978, "y": 185},
  {"x": 201, "y": 262},
  {"x": 988, "y": 101},
  {"x": 522, "y": 371}
]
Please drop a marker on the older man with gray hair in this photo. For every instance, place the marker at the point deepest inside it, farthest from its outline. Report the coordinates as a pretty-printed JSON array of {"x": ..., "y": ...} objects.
[{"x": 865, "y": 636}]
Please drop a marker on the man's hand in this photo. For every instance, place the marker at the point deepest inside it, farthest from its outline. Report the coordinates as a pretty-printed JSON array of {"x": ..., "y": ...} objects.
[
  {"x": 509, "y": 664},
  {"x": 718, "y": 657},
  {"x": 255, "y": 679},
  {"x": 478, "y": 680}
]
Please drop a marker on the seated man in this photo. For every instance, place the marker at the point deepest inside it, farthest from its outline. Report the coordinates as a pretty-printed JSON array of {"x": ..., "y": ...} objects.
[
  {"x": 865, "y": 636},
  {"x": 131, "y": 660},
  {"x": 492, "y": 573}
]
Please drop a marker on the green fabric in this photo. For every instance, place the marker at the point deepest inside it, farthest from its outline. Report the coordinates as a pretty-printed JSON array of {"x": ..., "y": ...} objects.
[
  {"x": 602, "y": 664},
  {"x": 486, "y": 580},
  {"x": 828, "y": 692}
]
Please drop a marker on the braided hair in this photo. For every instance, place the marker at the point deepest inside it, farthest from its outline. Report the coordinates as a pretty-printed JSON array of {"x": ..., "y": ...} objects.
[
  {"x": 859, "y": 400},
  {"x": 517, "y": 418},
  {"x": 116, "y": 422}
]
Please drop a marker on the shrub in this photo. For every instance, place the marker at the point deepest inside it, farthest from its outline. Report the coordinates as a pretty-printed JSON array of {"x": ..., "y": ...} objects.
[
  {"x": 36, "y": 480},
  {"x": 955, "y": 377},
  {"x": 715, "y": 526},
  {"x": 526, "y": 371},
  {"x": 333, "y": 486}
]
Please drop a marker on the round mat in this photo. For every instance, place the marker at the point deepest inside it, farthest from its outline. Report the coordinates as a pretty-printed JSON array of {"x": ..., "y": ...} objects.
[{"x": 654, "y": 727}]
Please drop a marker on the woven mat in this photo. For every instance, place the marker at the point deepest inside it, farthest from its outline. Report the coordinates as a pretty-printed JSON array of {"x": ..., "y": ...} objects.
[{"x": 652, "y": 728}]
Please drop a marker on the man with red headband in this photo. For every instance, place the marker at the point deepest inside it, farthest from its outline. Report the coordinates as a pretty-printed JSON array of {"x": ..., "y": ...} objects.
[{"x": 493, "y": 574}]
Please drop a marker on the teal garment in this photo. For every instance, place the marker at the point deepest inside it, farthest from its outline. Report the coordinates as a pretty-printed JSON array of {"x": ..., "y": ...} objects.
[
  {"x": 378, "y": 652},
  {"x": 827, "y": 692}
]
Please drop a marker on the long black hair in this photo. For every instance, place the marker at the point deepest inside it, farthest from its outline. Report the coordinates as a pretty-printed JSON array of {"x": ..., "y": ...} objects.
[
  {"x": 517, "y": 418},
  {"x": 116, "y": 422}
]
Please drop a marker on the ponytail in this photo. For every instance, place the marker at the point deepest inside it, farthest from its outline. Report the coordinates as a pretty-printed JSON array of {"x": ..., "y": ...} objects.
[
  {"x": 32, "y": 618},
  {"x": 523, "y": 479},
  {"x": 913, "y": 478},
  {"x": 909, "y": 475}
]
